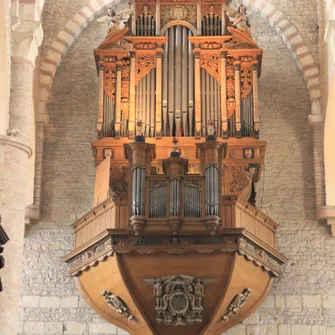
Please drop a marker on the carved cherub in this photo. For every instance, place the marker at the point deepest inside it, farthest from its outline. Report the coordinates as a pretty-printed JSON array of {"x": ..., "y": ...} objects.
[
  {"x": 240, "y": 19},
  {"x": 115, "y": 21}
]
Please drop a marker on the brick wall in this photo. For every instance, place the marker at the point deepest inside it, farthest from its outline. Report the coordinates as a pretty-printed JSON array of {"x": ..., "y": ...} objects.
[{"x": 302, "y": 301}]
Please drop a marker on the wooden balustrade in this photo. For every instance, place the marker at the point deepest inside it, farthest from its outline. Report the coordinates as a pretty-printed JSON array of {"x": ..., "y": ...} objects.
[
  {"x": 240, "y": 214},
  {"x": 109, "y": 214},
  {"x": 113, "y": 214}
]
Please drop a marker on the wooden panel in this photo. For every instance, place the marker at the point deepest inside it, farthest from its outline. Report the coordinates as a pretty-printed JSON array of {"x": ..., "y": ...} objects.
[{"x": 101, "y": 188}]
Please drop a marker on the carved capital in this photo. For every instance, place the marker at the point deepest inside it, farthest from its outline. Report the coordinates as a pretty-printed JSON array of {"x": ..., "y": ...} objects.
[{"x": 26, "y": 39}]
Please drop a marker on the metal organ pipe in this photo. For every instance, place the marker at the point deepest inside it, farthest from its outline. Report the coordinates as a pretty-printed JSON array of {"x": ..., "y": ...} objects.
[
  {"x": 178, "y": 86},
  {"x": 190, "y": 87},
  {"x": 184, "y": 80},
  {"x": 212, "y": 190},
  {"x": 165, "y": 86},
  {"x": 171, "y": 99}
]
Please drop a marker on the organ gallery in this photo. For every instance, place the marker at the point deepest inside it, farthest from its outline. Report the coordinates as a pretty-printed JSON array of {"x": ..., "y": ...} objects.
[{"x": 174, "y": 242}]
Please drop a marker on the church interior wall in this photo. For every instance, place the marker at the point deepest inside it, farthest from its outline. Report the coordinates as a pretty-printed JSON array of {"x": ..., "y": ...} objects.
[{"x": 302, "y": 300}]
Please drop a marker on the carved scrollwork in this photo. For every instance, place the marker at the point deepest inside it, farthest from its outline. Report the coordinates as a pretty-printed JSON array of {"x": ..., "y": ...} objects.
[
  {"x": 237, "y": 303},
  {"x": 125, "y": 73},
  {"x": 240, "y": 179},
  {"x": 110, "y": 82},
  {"x": 246, "y": 80},
  {"x": 231, "y": 104},
  {"x": 156, "y": 183},
  {"x": 119, "y": 178},
  {"x": 210, "y": 62},
  {"x": 144, "y": 63},
  {"x": 193, "y": 183},
  {"x": 179, "y": 299}
]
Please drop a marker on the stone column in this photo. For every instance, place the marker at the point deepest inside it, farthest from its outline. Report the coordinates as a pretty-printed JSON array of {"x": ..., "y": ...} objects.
[{"x": 15, "y": 150}]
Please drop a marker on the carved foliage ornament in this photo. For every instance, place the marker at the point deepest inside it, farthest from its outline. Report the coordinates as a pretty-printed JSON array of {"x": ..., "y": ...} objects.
[
  {"x": 144, "y": 63},
  {"x": 119, "y": 178},
  {"x": 117, "y": 304},
  {"x": 179, "y": 299},
  {"x": 110, "y": 82},
  {"x": 125, "y": 75},
  {"x": 237, "y": 303},
  {"x": 231, "y": 105},
  {"x": 246, "y": 80},
  {"x": 210, "y": 62}
]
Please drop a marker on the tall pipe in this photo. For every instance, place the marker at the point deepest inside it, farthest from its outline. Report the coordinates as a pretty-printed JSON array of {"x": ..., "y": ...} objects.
[
  {"x": 184, "y": 79},
  {"x": 158, "y": 127},
  {"x": 237, "y": 65},
  {"x": 203, "y": 102},
  {"x": 197, "y": 96},
  {"x": 199, "y": 18},
  {"x": 118, "y": 101},
  {"x": 101, "y": 98},
  {"x": 165, "y": 85},
  {"x": 178, "y": 77},
  {"x": 255, "y": 98},
  {"x": 224, "y": 112},
  {"x": 132, "y": 97},
  {"x": 190, "y": 86},
  {"x": 158, "y": 18},
  {"x": 152, "y": 103},
  {"x": 171, "y": 105}
]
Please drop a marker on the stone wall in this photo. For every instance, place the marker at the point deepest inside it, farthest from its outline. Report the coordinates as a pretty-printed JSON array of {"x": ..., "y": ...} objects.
[{"x": 302, "y": 301}]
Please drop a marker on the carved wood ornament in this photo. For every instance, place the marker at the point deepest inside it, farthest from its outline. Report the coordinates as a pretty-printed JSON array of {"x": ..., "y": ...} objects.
[{"x": 145, "y": 62}]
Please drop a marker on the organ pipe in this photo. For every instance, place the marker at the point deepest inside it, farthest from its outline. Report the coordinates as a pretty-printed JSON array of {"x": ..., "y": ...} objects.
[
  {"x": 178, "y": 82},
  {"x": 171, "y": 99},
  {"x": 212, "y": 190},
  {"x": 118, "y": 101},
  {"x": 238, "y": 98},
  {"x": 175, "y": 197},
  {"x": 190, "y": 87},
  {"x": 224, "y": 113},
  {"x": 132, "y": 97},
  {"x": 184, "y": 80},
  {"x": 255, "y": 97},
  {"x": 101, "y": 98},
  {"x": 165, "y": 86},
  {"x": 158, "y": 130},
  {"x": 197, "y": 97}
]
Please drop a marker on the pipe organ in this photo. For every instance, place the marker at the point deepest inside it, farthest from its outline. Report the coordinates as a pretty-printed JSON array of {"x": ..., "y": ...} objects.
[
  {"x": 180, "y": 52},
  {"x": 175, "y": 243}
]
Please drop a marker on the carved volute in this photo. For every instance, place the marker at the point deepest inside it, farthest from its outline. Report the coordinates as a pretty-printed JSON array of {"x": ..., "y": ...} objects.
[{"x": 174, "y": 219}]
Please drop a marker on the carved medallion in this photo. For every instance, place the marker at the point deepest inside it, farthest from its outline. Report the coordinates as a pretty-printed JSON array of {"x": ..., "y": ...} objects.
[
  {"x": 178, "y": 299},
  {"x": 117, "y": 304},
  {"x": 178, "y": 12},
  {"x": 237, "y": 303}
]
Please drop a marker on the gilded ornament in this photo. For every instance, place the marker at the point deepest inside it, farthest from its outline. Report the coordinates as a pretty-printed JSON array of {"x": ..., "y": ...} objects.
[
  {"x": 178, "y": 299},
  {"x": 237, "y": 303}
]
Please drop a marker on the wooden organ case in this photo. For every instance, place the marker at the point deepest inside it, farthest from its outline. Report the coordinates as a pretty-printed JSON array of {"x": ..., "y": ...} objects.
[{"x": 175, "y": 242}]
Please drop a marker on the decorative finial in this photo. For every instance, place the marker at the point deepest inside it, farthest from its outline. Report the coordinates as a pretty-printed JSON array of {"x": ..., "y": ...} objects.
[
  {"x": 139, "y": 132},
  {"x": 175, "y": 149},
  {"x": 210, "y": 130}
]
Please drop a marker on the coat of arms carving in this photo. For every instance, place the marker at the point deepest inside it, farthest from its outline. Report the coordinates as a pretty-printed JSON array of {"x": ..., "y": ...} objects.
[{"x": 179, "y": 299}]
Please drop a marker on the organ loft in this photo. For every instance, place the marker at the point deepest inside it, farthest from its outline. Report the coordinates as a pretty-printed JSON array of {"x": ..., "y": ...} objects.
[{"x": 174, "y": 242}]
